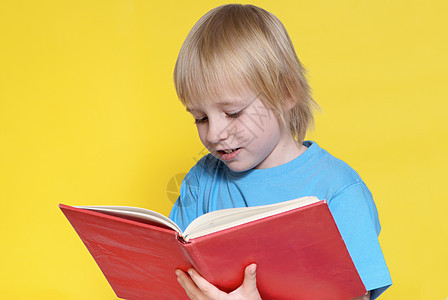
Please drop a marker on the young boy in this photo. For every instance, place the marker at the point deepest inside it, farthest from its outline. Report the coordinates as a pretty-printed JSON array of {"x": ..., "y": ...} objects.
[{"x": 239, "y": 76}]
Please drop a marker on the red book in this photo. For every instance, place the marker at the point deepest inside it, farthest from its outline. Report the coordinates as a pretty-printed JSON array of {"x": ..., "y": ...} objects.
[{"x": 296, "y": 245}]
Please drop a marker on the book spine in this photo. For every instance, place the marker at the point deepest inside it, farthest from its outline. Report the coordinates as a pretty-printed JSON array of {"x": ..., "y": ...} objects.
[{"x": 193, "y": 255}]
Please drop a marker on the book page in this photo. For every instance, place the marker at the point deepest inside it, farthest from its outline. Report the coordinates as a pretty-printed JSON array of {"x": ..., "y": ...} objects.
[
  {"x": 226, "y": 218},
  {"x": 136, "y": 214}
]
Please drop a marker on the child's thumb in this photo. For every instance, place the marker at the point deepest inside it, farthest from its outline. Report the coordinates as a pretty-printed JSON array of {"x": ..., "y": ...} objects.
[{"x": 250, "y": 276}]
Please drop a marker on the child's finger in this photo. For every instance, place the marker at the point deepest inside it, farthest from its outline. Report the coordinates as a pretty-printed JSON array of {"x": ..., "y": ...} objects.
[
  {"x": 193, "y": 292},
  {"x": 206, "y": 287}
]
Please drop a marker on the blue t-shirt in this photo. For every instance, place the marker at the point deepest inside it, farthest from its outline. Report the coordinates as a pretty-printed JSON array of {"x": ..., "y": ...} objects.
[{"x": 211, "y": 185}]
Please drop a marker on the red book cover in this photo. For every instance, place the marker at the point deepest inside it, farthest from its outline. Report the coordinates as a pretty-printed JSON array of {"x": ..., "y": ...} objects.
[{"x": 299, "y": 254}]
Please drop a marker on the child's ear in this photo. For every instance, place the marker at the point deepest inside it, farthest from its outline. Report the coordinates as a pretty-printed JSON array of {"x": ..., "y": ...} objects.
[
  {"x": 290, "y": 103},
  {"x": 289, "y": 100}
]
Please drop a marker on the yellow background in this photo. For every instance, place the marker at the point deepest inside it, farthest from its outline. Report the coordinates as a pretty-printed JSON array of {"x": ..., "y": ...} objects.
[{"x": 89, "y": 115}]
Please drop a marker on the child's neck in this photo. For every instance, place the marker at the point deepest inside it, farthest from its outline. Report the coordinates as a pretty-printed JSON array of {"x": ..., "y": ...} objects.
[
  {"x": 287, "y": 150},
  {"x": 293, "y": 149}
]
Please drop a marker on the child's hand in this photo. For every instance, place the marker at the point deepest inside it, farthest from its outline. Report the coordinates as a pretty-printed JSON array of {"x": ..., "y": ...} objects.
[{"x": 197, "y": 288}]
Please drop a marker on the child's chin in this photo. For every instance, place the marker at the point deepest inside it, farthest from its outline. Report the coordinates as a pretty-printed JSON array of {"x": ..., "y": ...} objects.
[{"x": 236, "y": 167}]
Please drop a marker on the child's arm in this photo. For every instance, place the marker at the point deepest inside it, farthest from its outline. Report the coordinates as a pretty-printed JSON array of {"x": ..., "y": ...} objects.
[{"x": 198, "y": 288}]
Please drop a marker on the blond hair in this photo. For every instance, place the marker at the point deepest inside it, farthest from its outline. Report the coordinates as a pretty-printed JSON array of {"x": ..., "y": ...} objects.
[{"x": 235, "y": 47}]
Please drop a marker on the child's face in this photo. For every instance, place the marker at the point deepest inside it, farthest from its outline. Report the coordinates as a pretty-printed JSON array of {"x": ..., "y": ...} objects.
[{"x": 243, "y": 133}]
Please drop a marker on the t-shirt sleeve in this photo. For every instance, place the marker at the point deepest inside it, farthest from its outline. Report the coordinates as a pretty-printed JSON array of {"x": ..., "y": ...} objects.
[
  {"x": 356, "y": 216},
  {"x": 184, "y": 210}
]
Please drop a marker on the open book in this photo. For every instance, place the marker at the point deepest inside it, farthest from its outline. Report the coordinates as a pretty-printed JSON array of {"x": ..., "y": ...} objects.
[
  {"x": 296, "y": 245},
  {"x": 208, "y": 223}
]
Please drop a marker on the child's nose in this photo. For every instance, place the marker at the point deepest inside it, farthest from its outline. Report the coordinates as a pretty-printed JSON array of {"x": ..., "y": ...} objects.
[{"x": 217, "y": 130}]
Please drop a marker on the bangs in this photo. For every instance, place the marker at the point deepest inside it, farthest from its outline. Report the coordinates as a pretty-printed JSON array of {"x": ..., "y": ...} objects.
[{"x": 202, "y": 81}]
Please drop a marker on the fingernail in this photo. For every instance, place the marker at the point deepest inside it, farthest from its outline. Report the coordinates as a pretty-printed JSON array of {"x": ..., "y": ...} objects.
[
  {"x": 190, "y": 271},
  {"x": 254, "y": 269}
]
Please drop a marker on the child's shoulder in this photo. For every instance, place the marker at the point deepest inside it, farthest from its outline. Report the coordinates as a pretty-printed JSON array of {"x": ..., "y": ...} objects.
[{"x": 330, "y": 166}]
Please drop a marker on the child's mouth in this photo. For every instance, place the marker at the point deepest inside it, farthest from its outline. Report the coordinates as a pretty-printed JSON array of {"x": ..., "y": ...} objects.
[{"x": 228, "y": 154}]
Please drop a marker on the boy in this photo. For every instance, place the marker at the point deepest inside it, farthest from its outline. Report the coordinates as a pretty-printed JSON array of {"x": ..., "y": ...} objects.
[{"x": 239, "y": 76}]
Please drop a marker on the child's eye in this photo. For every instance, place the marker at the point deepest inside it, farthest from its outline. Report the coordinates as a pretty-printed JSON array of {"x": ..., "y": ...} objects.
[
  {"x": 235, "y": 115},
  {"x": 200, "y": 121}
]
